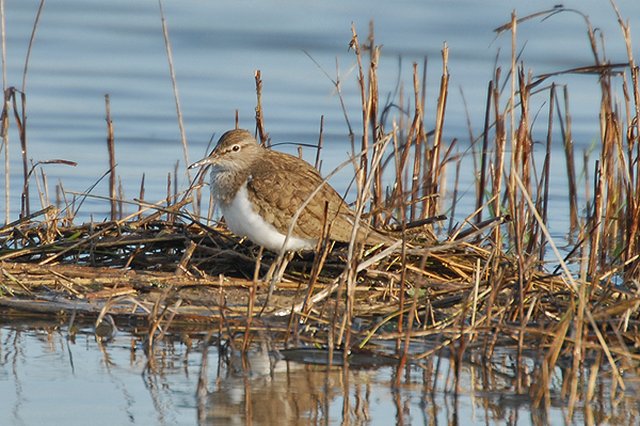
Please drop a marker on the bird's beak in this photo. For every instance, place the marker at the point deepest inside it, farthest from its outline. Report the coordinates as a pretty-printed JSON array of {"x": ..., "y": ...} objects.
[{"x": 204, "y": 162}]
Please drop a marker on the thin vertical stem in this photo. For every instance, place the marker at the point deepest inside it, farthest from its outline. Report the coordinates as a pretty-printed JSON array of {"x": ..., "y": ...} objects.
[
  {"x": 168, "y": 200},
  {"x": 483, "y": 161},
  {"x": 364, "y": 147},
  {"x": 175, "y": 181},
  {"x": 141, "y": 197},
  {"x": 112, "y": 159},
  {"x": 22, "y": 123},
  {"x": 318, "y": 163},
  {"x": 120, "y": 199},
  {"x": 264, "y": 137},
  {"x": 5, "y": 119},
  {"x": 439, "y": 128},
  {"x": 31, "y": 40},
  {"x": 183, "y": 134},
  {"x": 571, "y": 167},
  {"x": 416, "y": 129},
  {"x": 547, "y": 169}
]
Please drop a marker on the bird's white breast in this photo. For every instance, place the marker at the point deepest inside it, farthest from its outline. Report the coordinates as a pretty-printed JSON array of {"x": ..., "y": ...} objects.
[{"x": 243, "y": 220}]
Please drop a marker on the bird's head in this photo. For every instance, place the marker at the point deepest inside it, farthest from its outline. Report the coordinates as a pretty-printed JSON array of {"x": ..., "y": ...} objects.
[{"x": 236, "y": 150}]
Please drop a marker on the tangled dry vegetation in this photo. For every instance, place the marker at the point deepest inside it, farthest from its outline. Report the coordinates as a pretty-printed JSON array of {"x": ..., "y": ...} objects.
[{"x": 466, "y": 289}]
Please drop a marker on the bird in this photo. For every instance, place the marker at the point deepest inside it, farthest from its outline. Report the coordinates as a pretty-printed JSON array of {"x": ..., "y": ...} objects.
[{"x": 259, "y": 190}]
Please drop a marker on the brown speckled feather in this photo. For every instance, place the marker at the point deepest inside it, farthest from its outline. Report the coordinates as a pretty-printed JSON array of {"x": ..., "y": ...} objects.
[{"x": 271, "y": 185}]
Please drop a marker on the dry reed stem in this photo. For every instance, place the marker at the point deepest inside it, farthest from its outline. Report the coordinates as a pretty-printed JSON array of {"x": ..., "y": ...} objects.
[
  {"x": 112, "y": 159},
  {"x": 4, "y": 122},
  {"x": 21, "y": 119},
  {"x": 260, "y": 128},
  {"x": 174, "y": 84}
]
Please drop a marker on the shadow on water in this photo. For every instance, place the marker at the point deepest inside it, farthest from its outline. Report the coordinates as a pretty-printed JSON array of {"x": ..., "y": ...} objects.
[{"x": 108, "y": 378}]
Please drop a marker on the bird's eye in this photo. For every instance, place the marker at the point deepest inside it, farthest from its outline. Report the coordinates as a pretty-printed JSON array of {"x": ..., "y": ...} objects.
[{"x": 236, "y": 148}]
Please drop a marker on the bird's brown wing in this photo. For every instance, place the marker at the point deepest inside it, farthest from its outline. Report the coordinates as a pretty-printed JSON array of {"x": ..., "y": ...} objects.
[{"x": 280, "y": 184}]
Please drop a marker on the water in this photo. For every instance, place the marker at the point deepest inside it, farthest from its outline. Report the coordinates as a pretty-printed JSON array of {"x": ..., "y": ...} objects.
[
  {"x": 47, "y": 377},
  {"x": 86, "y": 49}
]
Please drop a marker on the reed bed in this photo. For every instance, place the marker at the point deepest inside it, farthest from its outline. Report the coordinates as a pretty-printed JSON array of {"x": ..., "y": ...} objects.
[{"x": 462, "y": 290}]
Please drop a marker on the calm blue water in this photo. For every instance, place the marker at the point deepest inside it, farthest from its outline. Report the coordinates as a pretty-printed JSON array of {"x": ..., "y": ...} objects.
[
  {"x": 48, "y": 379},
  {"x": 85, "y": 49}
]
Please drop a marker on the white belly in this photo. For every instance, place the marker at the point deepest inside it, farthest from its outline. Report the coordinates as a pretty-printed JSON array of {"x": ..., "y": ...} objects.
[{"x": 243, "y": 221}]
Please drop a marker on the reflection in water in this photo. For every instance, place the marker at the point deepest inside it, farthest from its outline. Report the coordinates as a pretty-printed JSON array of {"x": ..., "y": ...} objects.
[
  {"x": 43, "y": 373},
  {"x": 265, "y": 390}
]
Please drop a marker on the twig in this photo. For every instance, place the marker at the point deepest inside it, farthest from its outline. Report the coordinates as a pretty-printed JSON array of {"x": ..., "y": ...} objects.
[{"x": 183, "y": 134}]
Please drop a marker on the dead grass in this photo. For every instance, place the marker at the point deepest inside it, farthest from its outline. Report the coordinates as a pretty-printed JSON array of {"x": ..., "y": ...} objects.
[{"x": 479, "y": 286}]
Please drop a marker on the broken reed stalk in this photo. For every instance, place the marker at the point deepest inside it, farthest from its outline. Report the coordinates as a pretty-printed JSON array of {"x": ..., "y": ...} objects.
[
  {"x": 569, "y": 150},
  {"x": 436, "y": 166},
  {"x": 260, "y": 129},
  {"x": 176, "y": 96},
  {"x": 112, "y": 160},
  {"x": 403, "y": 273},
  {"x": 546, "y": 169},
  {"x": 499, "y": 158},
  {"x": 42, "y": 190},
  {"x": 120, "y": 198},
  {"x": 318, "y": 162},
  {"x": 377, "y": 189},
  {"x": 522, "y": 163},
  {"x": 567, "y": 139},
  {"x": 610, "y": 177},
  {"x": 421, "y": 141},
  {"x": 454, "y": 196},
  {"x": 482, "y": 182},
  {"x": 417, "y": 132},
  {"x": 175, "y": 187},
  {"x": 594, "y": 220},
  {"x": 141, "y": 196},
  {"x": 168, "y": 199},
  {"x": 22, "y": 132},
  {"x": 366, "y": 110}
]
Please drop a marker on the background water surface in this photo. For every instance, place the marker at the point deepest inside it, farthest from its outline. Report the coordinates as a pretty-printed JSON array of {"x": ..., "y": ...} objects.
[{"x": 85, "y": 49}]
